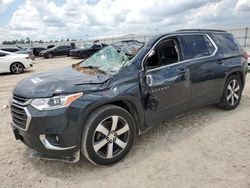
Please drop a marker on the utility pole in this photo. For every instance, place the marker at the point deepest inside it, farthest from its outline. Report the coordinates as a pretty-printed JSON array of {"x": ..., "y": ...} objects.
[{"x": 246, "y": 33}]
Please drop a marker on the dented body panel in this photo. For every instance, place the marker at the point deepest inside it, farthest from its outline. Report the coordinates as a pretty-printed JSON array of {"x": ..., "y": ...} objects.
[{"x": 150, "y": 95}]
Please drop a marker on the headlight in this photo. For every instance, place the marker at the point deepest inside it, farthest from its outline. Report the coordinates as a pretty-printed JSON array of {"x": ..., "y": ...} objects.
[{"x": 55, "y": 102}]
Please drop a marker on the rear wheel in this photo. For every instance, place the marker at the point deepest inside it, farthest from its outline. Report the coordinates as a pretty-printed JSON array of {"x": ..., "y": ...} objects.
[
  {"x": 108, "y": 135},
  {"x": 50, "y": 56},
  {"x": 232, "y": 93},
  {"x": 17, "y": 68}
]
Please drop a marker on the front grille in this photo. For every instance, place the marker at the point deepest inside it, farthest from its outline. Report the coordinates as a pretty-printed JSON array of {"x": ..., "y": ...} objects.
[
  {"x": 19, "y": 116},
  {"x": 19, "y": 113},
  {"x": 20, "y": 100}
]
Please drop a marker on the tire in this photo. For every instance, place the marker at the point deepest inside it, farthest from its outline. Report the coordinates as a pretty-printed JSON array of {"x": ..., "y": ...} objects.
[
  {"x": 105, "y": 144},
  {"x": 83, "y": 55},
  {"x": 17, "y": 68},
  {"x": 231, "y": 94},
  {"x": 49, "y": 55}
]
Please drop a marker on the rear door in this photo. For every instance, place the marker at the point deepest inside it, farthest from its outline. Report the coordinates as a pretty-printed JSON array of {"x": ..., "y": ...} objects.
[
  {"x": 206, "y": 72},
  {"x": 60, "y": 50},
  {"x": 165, "y": 83}
]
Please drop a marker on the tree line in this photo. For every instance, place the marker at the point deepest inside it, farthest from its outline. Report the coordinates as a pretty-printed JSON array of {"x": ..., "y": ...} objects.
[{"x": 28, "y": 41}]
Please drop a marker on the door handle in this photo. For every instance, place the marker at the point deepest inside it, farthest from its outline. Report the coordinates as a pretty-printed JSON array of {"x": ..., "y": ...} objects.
[
  {"x": 220, "y": 61},
  {"x": 182, "y": 71}
]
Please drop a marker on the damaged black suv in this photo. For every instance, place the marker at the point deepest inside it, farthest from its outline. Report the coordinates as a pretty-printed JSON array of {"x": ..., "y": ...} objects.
[{"x": 98, "y": 106}]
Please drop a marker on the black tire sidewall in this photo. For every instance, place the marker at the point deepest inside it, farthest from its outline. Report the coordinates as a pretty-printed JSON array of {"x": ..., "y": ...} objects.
[
  {"x": 88, "y": 133},
  {"x": 224, "y": 103},
  {"x": 18, "y": 72},
  {"x": 49, "y": 55}
]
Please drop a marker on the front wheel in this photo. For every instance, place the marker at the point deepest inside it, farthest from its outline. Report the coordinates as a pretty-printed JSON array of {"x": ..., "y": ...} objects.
[
  {"x": 17, "y": 68},
  {"x": 232, "y": 93},
  {"x": 108, "y": 135}
]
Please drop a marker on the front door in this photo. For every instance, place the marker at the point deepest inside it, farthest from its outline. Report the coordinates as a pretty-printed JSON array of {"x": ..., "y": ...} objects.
[{"x": 165, "y": 83}]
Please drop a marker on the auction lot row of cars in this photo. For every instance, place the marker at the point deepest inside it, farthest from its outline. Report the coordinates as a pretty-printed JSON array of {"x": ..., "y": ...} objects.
[
  {"x": 97, "y": 106},
  {"x": 16, "y": 59},
  {"x": 10, "y": 60},
  {"x": 82, "y": 52}
]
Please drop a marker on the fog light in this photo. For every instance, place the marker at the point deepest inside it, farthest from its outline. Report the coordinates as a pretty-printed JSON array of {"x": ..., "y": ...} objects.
[{"x": 53, "y": 139}]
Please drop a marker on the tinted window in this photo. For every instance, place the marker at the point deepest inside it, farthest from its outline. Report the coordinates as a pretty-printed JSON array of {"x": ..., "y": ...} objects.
[
  {"x": 2, "y": 54},
  {"x": 64, "y": 47},
  {"x": 194, "y": 46},
  {"x": 97, "y": 46},
  {"x": 227, "y": 43},
  {"x": 10, "y": 49},
  {"x": 165, "y": 54}
]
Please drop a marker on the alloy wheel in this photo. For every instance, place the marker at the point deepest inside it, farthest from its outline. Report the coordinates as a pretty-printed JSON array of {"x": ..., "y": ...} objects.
[
  {"x": 17, "y": 68},
  {"x": 50, "y": 55},
  {"x": 111, "y": 137},
  {"x": 233, "y": 92}
]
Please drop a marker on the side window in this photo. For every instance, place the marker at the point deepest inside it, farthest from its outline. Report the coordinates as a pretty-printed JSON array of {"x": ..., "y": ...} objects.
[
  {"x": 61, "y": 47},
  {"x": 97, "y": 46},
  {"x": 227, "y": 43},
  {"x": 165, "y": 53},
  {"x": 2, "y": 54},
  {"x": 194, "y": 46}
]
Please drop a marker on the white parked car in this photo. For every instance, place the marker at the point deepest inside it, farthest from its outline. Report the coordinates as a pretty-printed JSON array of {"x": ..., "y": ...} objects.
[{"x": 15, "y": 63}]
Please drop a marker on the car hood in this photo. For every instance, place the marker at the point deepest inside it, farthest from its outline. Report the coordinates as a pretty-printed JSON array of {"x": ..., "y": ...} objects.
[{"x": 62, "y": 81}]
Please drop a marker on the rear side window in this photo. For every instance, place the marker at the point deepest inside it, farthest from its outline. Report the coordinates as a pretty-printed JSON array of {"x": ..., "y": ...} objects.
[
  {"x": 227, "y": 44},
  {"x": 194, "y": 46},
  {"x": 2, "y": 54}
]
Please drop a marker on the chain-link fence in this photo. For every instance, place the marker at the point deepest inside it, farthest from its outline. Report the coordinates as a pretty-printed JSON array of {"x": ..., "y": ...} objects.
[{"x": 242, "y": 34}]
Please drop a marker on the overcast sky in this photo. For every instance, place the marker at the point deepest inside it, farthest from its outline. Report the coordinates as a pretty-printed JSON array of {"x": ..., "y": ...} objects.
[{"x": 81, "y": 19}]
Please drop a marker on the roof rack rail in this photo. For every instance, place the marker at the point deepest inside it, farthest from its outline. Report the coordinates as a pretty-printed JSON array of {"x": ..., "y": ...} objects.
[{"x": 213, "y": 30}]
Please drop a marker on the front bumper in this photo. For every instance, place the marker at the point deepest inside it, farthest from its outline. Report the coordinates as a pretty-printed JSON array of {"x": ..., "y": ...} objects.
[{"x": 53, "y": 132}]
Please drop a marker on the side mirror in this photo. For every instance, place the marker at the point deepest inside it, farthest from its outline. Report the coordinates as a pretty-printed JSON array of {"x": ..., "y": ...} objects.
[
  {"x": 149, "y": 80},
  {"x": 151, "y": 53}
]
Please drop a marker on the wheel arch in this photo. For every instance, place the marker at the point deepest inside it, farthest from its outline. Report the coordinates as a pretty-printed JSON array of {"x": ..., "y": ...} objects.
[
  {"x": 238, "y": 73},
  {"x": 16, "y": 62},
  {"x": 122, "y": 103},
  {"x": 128, "y": 107}
]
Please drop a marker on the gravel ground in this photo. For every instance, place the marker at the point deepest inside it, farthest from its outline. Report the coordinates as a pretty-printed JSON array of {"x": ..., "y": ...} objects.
[{"x": 203, "y": 148}]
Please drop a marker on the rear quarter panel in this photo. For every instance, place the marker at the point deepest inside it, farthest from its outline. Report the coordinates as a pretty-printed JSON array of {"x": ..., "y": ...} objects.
[{"x": 5, "y": 64}]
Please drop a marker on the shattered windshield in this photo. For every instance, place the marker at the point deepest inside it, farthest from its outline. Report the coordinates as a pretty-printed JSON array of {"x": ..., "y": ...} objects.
[{"x": 113, "y": 57}]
